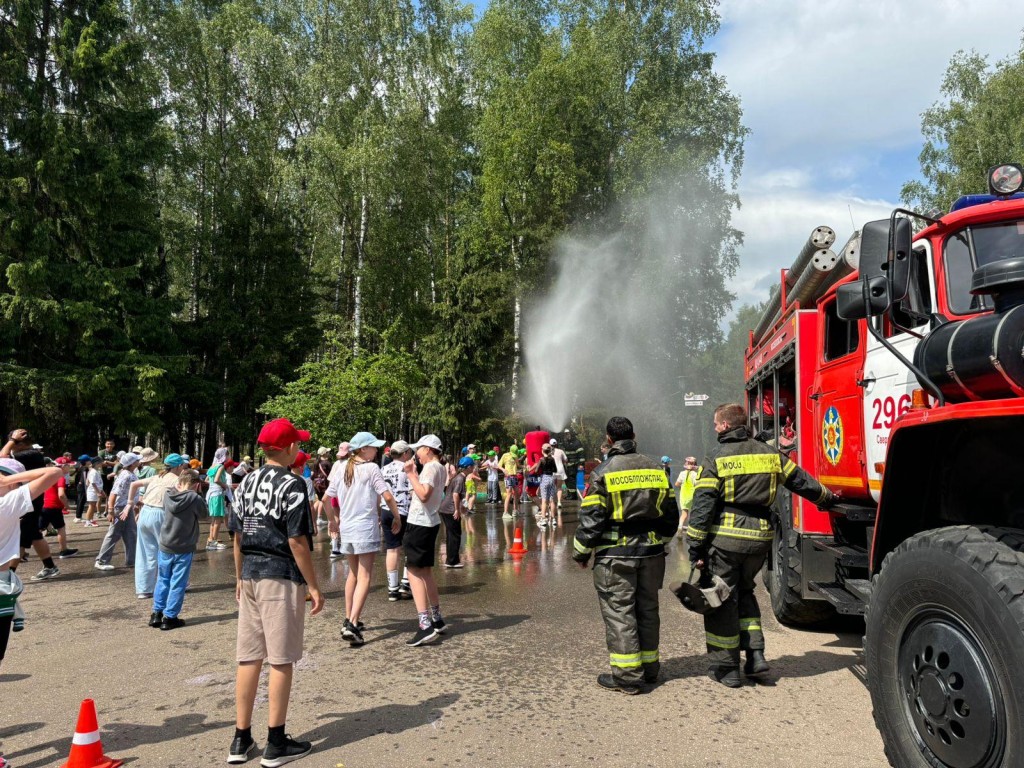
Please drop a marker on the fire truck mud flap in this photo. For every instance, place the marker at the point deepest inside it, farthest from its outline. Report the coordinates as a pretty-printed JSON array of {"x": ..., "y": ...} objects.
[{"x": 944, "y": 649}]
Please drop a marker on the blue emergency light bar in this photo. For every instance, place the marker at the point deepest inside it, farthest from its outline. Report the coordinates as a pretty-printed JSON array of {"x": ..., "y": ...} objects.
[{"x": 966, "y": 201}]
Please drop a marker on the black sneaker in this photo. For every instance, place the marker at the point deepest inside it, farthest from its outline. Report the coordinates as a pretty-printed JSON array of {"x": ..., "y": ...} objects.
[
  {"x": 394, "y": 595},
  {"x": 171, "y": 623},
  {"x": 348, "y": 632},
  {"x": 439, "y": 626},
  {"x": 242, "y": 750},
  {"x": 67, "y": 553},
  {"x": 423, "y": 637},
  {"x": 357, "y": 637},
  {"x": 609, "y": 683},
  {"x": 275, "y": 755},
  {"x": 156, "y": 618},
  {"x": 405, "y": 588}
]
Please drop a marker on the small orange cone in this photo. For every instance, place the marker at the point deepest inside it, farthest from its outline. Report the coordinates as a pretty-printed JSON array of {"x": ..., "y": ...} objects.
[
  {"x": 86, "y": 747},
  {"x": 517, "y": 543}
]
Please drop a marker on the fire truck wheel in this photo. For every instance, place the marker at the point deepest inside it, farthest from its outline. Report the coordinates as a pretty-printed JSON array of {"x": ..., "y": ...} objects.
[
  {"x": 944, "y": 649},
  {"x": 783, "y": 578}
]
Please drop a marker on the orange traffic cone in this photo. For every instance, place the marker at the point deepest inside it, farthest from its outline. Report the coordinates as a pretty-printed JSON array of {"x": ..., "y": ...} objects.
[
  {"x": 517, "y": 543},
  {"x": 86, "y": 747}
]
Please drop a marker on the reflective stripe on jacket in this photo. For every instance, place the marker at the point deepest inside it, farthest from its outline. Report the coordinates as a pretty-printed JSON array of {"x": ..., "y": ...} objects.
[
  {"x": 629, "y": 510},
  {"x": 735, "y": 489}
]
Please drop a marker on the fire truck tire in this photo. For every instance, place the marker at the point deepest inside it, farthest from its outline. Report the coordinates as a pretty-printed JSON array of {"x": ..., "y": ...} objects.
[
  {"x": 944, "y": 649},
  {"x": 783, "y": 579}
]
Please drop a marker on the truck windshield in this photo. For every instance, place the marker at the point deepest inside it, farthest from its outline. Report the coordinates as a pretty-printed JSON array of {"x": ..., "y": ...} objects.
[{"x": 971, "y": 248}]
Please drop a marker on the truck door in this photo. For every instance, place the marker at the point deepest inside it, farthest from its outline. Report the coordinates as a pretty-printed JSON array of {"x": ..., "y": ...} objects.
[
  {"x": 839, "y": 458},
  {"x": 887, "y": 383}
]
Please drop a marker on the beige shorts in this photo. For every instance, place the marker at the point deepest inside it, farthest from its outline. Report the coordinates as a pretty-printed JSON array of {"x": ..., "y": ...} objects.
[{"x": 271, "y": 618}]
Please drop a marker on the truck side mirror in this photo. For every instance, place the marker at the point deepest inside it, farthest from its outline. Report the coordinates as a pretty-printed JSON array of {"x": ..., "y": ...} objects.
[
  {"x": 850, "y": 304},
  {"x": 874, "y": 255}
]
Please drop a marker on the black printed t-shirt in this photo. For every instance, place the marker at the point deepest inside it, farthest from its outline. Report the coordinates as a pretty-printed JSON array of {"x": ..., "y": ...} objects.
[{"x": 271, "y": 506}]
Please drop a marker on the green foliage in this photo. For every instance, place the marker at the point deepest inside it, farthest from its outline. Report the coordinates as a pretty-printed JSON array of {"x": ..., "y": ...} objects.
[
  {"x": 339, "y": 395},
  {"x": 334, "y": 211},
  {"x": 84, "y": 310},
  {"x": 978, "y": 123}
]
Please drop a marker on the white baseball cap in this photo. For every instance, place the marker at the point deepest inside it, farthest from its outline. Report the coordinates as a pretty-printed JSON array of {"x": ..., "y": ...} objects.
[
  {"x": 427, "y": 441},
  {"x": 129, "y": 459},
  {"x": 552, "y": 441}
]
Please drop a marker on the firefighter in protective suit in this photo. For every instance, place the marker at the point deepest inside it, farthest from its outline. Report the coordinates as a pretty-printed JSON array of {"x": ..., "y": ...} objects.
[
  {"x": 625, "y": 520},
  {"x": 730, "y": 533}
]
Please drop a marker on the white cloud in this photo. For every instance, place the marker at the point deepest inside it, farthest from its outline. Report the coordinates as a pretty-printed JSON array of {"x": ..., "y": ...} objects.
[
  {"x": 833, "y": 91},
  {"x": 777, "y": 223},
  {"x": 819, "y": 77}
]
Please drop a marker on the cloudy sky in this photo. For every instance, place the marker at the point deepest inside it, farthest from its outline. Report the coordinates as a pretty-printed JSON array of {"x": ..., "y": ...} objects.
[{"x": 832, "y": 93}]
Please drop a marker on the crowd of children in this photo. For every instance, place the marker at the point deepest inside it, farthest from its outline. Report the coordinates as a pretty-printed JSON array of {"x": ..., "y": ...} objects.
[{"x": 154, "y": 507}]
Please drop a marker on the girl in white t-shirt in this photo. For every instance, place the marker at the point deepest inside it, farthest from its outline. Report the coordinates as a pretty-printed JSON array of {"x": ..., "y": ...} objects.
[
  {"x": 420, "y": 537},
  {"x": 358, "y": 491},
  {"x": 94, "y": 494}
]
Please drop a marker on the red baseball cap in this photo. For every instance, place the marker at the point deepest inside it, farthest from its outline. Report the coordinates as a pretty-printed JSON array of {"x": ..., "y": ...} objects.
[
  {"x": 280, "y": 433},
  {"x": 301, "y": 459}
]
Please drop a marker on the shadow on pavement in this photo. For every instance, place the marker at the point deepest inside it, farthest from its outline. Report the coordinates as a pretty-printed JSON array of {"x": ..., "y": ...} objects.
[
  {"x": 209, "y": 588},
  {"x": 811, "y": 664},
  {"x": 348, "y": 728},
  {"x": 460, "y": 589},
  {"x": 117, "y": 737},
  {"x": 194, "y": 622},
  {"x": 458, "y": 624},
  {"x": 17, "y": 730},
  {"x": 808, "y": 664},
  {"x": 13, "y": 679}
]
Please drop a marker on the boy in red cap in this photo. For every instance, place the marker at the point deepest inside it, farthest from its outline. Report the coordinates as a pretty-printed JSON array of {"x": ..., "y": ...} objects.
[{"x": 274, "y": 568}]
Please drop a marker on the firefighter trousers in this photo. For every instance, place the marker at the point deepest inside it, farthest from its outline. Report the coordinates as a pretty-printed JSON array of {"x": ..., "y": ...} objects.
[
  {"x": 627, "y": 589},
  {"x": 736, "y": 625}
]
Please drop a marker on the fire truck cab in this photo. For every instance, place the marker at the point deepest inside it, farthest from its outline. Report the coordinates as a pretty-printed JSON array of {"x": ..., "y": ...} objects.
[{"x": 900, "y": 382}]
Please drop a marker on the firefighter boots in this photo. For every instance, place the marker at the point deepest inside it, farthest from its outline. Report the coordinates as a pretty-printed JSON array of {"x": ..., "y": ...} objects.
[
  {"x": 610, "y": 683},
  {"x": 728, "y": 676},
  {"x": 756, "y": 664}
]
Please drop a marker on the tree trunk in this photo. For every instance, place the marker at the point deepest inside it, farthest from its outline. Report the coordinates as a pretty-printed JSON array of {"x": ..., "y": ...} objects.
[
  {"x": 341, "y": 265},
  {"x": 357, "y": 299}
]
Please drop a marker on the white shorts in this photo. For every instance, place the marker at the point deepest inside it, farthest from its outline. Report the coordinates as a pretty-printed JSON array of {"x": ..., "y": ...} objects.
[
  {"x": 92, "y": 495},
  {"x": 359, "y": 547}
]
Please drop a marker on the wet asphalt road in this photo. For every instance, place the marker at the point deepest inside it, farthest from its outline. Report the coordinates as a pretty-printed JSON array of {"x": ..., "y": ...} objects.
[{"x": 511, "y": 684}]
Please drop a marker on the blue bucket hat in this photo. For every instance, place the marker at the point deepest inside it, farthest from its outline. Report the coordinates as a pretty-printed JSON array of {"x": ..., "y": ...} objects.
[
  {"x": 666, "y": 460},
  {"x": 85, "y": 457},
  {"x": 173, "y": 460},
  {"x": 364, "y": 440},
  {"x": 466, "y": 461}
]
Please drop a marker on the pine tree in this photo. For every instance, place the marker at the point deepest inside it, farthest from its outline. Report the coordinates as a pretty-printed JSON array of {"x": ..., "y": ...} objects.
[{"x": 83, "y": 287}]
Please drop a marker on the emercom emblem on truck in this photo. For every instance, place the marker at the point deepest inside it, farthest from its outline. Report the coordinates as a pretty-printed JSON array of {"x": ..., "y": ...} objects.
[{"x": 832, "y": 435}]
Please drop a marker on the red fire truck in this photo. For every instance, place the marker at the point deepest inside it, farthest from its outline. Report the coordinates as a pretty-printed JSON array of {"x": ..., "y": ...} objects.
[{"x": 898, "y": 381}]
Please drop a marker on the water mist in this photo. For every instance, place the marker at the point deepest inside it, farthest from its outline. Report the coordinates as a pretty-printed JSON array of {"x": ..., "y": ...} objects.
[{"x": 627, "y": 309}]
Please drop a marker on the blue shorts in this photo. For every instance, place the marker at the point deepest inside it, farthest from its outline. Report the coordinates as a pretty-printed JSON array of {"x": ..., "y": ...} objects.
[{"x": 511, "y": 482}]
